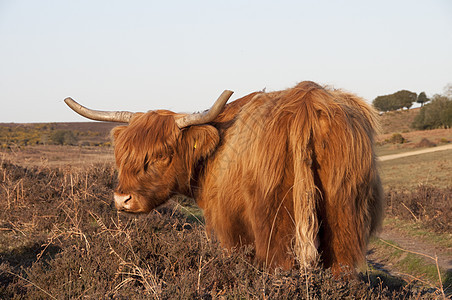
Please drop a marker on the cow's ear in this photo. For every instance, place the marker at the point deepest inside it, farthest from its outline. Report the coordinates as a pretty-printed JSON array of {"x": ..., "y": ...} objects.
[
  {"x": 116, "y": 131},
  {"x": 200, "y": 141}
]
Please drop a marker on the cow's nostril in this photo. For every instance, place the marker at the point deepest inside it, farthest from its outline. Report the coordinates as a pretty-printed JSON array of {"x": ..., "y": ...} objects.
[{"x": 122, "y": 200}]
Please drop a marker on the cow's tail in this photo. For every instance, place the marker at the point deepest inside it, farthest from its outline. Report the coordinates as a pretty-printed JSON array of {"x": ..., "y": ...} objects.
[
  {"x": 305, "y": 193},
  {"x": 335, "y": 175},
  {"x": 305, "y": 205}
]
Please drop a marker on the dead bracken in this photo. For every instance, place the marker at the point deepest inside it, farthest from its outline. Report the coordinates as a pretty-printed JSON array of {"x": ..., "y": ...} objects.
[{"x": 60, "y": 238}]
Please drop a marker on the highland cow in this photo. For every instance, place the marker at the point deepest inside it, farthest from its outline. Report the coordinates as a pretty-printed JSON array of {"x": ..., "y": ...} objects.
[{"x": 292, "y": 173}]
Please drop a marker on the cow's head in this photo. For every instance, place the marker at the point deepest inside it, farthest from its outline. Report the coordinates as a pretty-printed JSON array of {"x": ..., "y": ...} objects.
[{"x": 156, "y": 152}]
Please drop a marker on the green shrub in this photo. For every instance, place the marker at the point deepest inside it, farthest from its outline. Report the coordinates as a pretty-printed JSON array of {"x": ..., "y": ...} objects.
[
  {"x": 436, "y": 114},
  {"x": 396, "y": 138},
  {"x": 63, "y": 137}
]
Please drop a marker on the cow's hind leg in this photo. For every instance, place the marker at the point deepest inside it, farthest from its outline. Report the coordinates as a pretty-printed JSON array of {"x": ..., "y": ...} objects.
[{"x": 342, "y": 244}]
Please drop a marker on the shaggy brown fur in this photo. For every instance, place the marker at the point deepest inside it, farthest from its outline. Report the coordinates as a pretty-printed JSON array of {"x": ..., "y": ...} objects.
[{"x": 288, "y": 171}]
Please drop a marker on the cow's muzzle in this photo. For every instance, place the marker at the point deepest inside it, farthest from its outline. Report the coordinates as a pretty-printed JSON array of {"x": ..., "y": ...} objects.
[{"x": 123, "y": 202}]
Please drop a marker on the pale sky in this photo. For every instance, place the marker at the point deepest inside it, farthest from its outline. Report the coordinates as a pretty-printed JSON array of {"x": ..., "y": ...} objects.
[{"x": 180, "y": 55}]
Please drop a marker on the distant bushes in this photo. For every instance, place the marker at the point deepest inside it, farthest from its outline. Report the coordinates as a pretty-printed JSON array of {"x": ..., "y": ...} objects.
[
  {"x": 436, "y": 114},
  {"x": 48, "y": 134},
  {"x": 63, "y": 137},
  {"x": 20, "y": 136},
  {"x": 396, "y": 138}
]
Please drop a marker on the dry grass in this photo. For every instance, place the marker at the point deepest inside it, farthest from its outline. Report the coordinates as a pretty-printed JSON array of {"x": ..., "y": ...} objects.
[
  {"x": 409, "y": 172},
  {"x": 430, "y": 206},
  {"x": 437, "y": 136},
  {"x": 58, "y": 156},
  {"x": 413, "y": 140},
  {"x": 61, "y": 239},
  {"x": 398, "y": 121}
]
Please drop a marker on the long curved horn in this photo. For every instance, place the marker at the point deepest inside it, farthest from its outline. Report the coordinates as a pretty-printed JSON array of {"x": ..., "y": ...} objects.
[
  {"x": 98, "y": 115},
  {"x": 206, "y": 116}
]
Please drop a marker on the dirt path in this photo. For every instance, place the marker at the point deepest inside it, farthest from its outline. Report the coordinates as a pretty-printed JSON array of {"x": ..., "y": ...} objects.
[
  {"x": 428, "y": 150},
  {"x": 417, "y": 245}
]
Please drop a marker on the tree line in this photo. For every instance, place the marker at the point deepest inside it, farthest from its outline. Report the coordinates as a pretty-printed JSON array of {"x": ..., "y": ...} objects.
[
  {"x": 399, "y": 100},
  {"x": 434, "y": 113}
]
